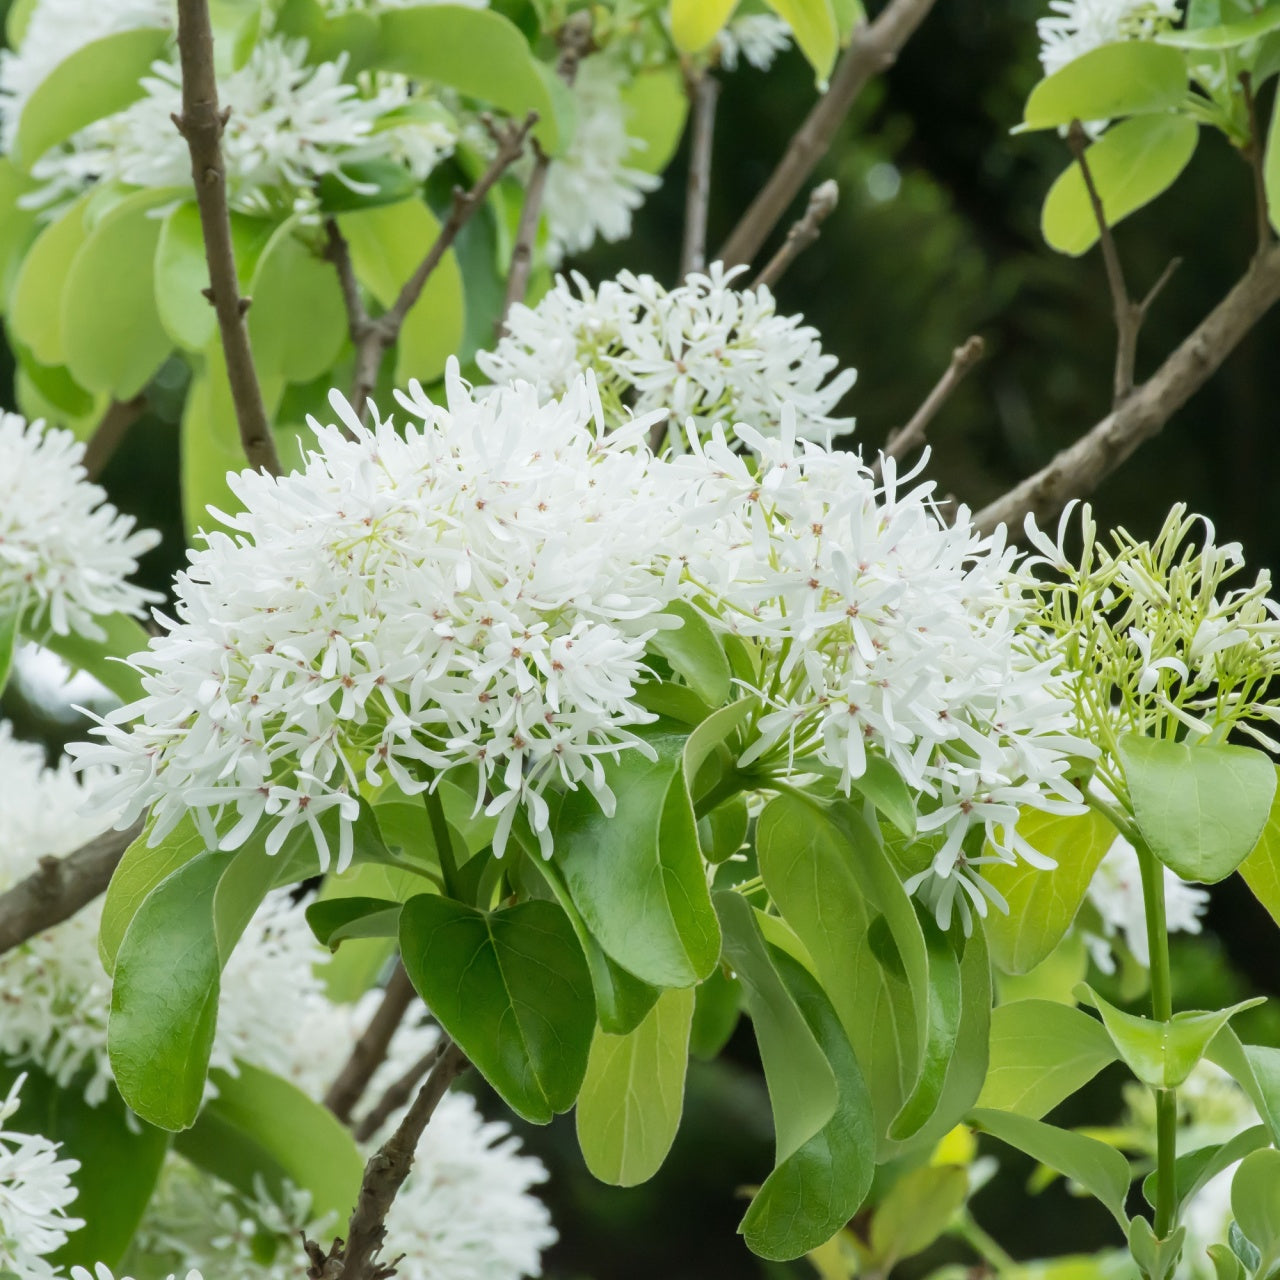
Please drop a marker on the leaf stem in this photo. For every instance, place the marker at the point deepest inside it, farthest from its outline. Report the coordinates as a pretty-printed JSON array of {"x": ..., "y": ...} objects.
[
  {"x": 443, "y": 841},
  {"x": 981, "y": 1243}
]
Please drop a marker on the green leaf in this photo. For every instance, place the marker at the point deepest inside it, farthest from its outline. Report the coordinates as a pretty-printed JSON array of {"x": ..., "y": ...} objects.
[
  {"x": 802, "y": 1086},
  {"x": 1132, "y": 77},
  {"x": 1255, "y": 1201},
  {"x": 260, "y": 1128},
  {"x": 111, "y": 332},
  {"x": 885, "y": 787},
  {"x": 18, "y": 226},
  {"x": 476, "y": 51},
  {"x": 1097, "y": 1167},
  {"x": 1155, "y": 1257},
  {"x": 298, "y": 322},
  {"x": 1201, "y": 809},
  {"x": 97, "y": 80},
  {"x": 1131, "y": 164},
  {"x": 1162, "y": 1054},
  {"x": 716, "y": 1010},
  {"x": 637, "y": 877},
  {"x": 811, "y": 1194},
  {"x": 49, "y": 391},
  {"x": 1227, "y": 35},
  {"x": 1226, "y": 1266},
  {"x": 119, "y": 1157},
  {"x": 1041, "y": 1053},
  {"x": 387, "y": 245},
  {"x": 164, "y": 1000},
  {"x": 1193, "y": 1169},
  {"x": 181, "y": 273},
  {"x": 334, "y": 920},
  {"x": 512, "y": 988},
  {"x": 656, "y": 107},
  {"x": 1043, "y": 903},
  {"x": 813, "y": 23},
  {"x": 1256, "y": 1069},
  {"x": 8, "y": 643},
  {"x": 723, "y": 831},
  {"x": 633, "y": 1094},
  {"x": 390, "y": 181},
  {"x": 35, "y": 306},
  {"x": 849, "y": 13},
  {"x": 1261, "y": 869},
  {"x": 695, "y": 654},
  {"x": 1271, "y": 166},
  {"x": 696, "y": 23},
  {"x": 105, "y": 659},
  {"x": 915, "y": 1212}
]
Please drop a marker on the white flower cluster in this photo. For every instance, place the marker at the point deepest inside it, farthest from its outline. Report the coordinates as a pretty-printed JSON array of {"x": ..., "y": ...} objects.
[
  {"x": 756, "y": 38},
  {"x": 592, "y": 190},
  {"x": 704, "y": 350},
  {"x": 1076, "y": 27},
  {"x": 65, "y": 554},
  {"x": 885, "y": 632},
  {"x": 103, "y": 1272},
  {"x": 476, "y": 592},
  {"x": 35, "y": 1190},
  {"x": 291, "y": 123}
]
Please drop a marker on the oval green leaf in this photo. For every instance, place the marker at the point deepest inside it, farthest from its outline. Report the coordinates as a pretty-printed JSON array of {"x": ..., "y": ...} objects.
[
  {"x": 1255, "y": 1201},
  {"x": 696, "y": 23},
  {"x": 35, "y": 307},
  {"x": 1128, "y": 78},
  {"x": 813, "y": 23}
]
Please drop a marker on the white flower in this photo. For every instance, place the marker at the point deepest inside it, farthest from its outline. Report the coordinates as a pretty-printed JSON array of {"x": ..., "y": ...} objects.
[
  {"x": 1075, "y": 27},
  {"x": 757, "y": 37},
  {"x": 65, "y": 554},
  {"x": 35, "y": 1190},
  {"x": 705, "y": 351},
  {"x": 1116, "y": 892},
  {"x": 591, "y": 190},
  {"x": 57, "y": 29},
  {"x": 475, "y": 594},
  {"x": 882, "y": 631},
  {"x": 103, "y": 1272},
  {"x": 291, "y": 122}
]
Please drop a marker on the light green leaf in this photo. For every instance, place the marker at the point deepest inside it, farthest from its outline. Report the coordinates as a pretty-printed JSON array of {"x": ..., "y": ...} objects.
[
  {"x": 695, "y": 654},
  {"x": 512, "y": 988},
  {"x": 35, "y": 306},
  {"x": 1043, "y": 903},
  {"x": 1261, "y": 869},
  {"x": 111, "y": 332},
  {"x": 476, "y": 51},
  {"x": 1157, "y": 1258},
  {"x": 1228, "y": 35},
  {"x": 716, "y": 1010},
  {"x": 1097, "y": 1167},
  {"x": 1226, "y": 1266},
  {"x": 1195, "y": 1168},
  {"x": 656, "y": 106},
  {"x": 1041, "y": 1053},
  {"x": 813, "y": 23},
  {"x": 49, "y": 391},
  {"x": 1271, "y": 167},
  {"x": 637, "y": 877},
  {"x": 849, "y": 14},
  {"x": 696, "y": 23},
  {"x": 1131, "y": 164},
  {"x": 1128, "y": 78},
  {"x": 633, "y": 1094},
  {"x": 1256, "y": 1069},
  {"x": 916, "y": 1211},
  {"x": 366, "y": 184},
  {"x": 8, "y": 643},
  {"x": 181, "y": 274},
  {"x": 1255, "y": 1201},
  {"x": 1162, "y": 1054},
  {"x": 17, "y": 225},
  {"x": 105, "y": 659},
  {"x": 263, "y": 1129},
  {"x": 1201, "y": 809},
  {"x": 97, "y": 80},
  {"x": 387, "y": 245}
]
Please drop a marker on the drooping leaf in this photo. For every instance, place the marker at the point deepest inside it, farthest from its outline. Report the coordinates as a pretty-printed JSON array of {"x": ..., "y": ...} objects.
[
  {"x": 512, "y": 988},
  {"x": 35, "y": 306},
  {"x": 334, "y": 920},
  {"x": 1132, "y": 77},
  {"x": 633, "y": 1094},
  {"x": 916, "y": 1211},
  {"x": 1256, "y": 1069},
  {"x": 813, "y": 23},
  {"x": 716, "y": 1011},
  {"x": 1041, "y": 1053},
  {"x": 696, "y": 23},
  {"x": 1261, "y": 869},
  {"x": 1131, "y": 164},
  {"x": 1201, "y": 808}
]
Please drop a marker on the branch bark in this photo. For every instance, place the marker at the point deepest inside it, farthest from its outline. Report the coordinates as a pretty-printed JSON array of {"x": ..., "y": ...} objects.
[
  {"x": 804, "y": 231},
  {"x": 356, "y": 1258},
  {"x": 1081, "y": 467},
  {"x": 59, "y": 887},
  {"x": 1254, "y": 154},
  {"x": 704, "y": 93},
  {"x": 874, "y": 48},
  {"x": 398, "y": 1093},
  {"x": 370, "y": 1050},
  {"x": 201, "y": 124}
]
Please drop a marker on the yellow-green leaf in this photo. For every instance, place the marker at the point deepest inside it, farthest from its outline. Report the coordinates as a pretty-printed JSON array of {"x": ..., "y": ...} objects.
[
  {"x": 696, "y": 23},
  {"x": 813, "y": 23}
]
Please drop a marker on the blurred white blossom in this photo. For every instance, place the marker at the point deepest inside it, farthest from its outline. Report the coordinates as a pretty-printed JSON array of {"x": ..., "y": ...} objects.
[{"x": 1075, "y": 27}]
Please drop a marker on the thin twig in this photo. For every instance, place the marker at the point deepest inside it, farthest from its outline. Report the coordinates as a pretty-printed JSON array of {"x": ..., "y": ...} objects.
[
  {"x": 1254, "y": 152},
  {"x": 912, "y": 436},
  {"x": 804, "y": 231},
  {"x": 398, "y": 1093},
  {"x": 201, "y": 124},
  {"x": 59, "y": 887},
  {"x": 703, "y": 90},
  {"x": 1081, "y": 467},
  {"x": 872, "y": 49},
  {"x": 574, "y": 39},
  {"x": 112, "y": 428},
  {"x": 357, "y": 1257},
  {"x": 374, "y": 336},
  {"x": 370, "y": 1050}
]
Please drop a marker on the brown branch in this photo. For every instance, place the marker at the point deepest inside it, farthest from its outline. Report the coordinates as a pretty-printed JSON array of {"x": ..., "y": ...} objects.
[
  {"x": 1254, "y": 151},
  {"x": 912, "y": 436},
  {"x": 59, "y": 887},
  {"x": 357, "y": 1257},
  {"x": 374, "y": 336},
  {"x": 804, "y": 231},
  {"x": 201, "y": 124},
  {"x": 703, "y": 90},
  {"x": 1079, "y": 468},
  {"x": 370, "y": 1050},
  {"x": 398, "y": 1093},
  {"x": 873, "y": 48},
  {"x": 112, "y": 428}
]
